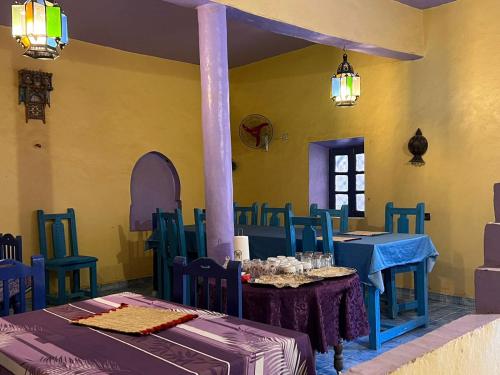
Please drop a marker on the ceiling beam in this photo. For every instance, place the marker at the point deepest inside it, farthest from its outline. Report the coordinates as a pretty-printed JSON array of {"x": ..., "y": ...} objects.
[{"x": 377, "y": 27}]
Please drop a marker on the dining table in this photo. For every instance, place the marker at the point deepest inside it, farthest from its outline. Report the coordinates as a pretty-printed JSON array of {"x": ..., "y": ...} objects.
[
  {"x": 329, "y": 311},
  {"x": 369, "y": 255},
  {"x": 46, "y": 342}
]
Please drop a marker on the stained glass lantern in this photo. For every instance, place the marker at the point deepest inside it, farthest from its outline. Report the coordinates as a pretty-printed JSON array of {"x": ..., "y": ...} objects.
[
  {"x": 346, "y": 85},
  {"x": 40, "y": 27}
]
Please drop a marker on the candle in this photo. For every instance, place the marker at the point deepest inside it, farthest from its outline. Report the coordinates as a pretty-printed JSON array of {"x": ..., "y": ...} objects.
[{"x": 241, "y": 248}]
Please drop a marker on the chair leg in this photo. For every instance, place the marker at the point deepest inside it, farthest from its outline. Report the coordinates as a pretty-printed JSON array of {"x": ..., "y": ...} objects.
[
  {"x": 364, "y": 291},
  {"x": 391, "y": 291},
  {"x": 47, "y": 285},
  {"x": 159, "y": 275},
  {"x": 93, "y": 281},
  {"x": 155, "y": 270},
  {"x": 164, "y": 279},
  {"x": 61, "y": 287},
  {"x": 76, "y": 281},
  {"x": 16, "y": 304}
]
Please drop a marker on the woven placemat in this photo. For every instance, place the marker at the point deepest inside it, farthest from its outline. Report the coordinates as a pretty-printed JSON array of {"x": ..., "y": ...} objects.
[{"x": 135, "y": 320}]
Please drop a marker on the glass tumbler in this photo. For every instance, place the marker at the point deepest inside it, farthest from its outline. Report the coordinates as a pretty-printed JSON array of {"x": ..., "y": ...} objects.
[{"x": 327, "y": 260}]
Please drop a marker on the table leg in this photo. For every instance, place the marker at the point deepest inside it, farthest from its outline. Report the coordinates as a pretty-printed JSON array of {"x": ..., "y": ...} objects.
[
  {"x": 338, "y": 357},
  {"x": 374, "y": 317},
  {"x": 422, "y": 291}
]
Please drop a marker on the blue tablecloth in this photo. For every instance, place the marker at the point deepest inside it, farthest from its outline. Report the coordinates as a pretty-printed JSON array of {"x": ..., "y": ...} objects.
[
  {"x": 368, "y": 255},
  {"x": 371, "y": 255}
]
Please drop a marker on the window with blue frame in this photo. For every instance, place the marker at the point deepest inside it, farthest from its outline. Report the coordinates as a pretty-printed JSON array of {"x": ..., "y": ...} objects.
[{"x": 347, "y": 179}]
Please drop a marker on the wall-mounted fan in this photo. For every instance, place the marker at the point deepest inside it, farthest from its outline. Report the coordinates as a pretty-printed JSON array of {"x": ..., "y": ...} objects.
[{"x": 256, "y": 131}]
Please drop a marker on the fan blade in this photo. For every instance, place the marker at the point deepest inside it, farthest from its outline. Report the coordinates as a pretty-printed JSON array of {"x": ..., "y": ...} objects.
[{"x": 257, "y": 143}]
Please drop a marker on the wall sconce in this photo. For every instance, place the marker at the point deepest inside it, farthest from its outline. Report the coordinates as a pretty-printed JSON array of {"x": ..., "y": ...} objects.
[
  {"x": 34, "y": 92},
  {"x": 418, "y": 146}
]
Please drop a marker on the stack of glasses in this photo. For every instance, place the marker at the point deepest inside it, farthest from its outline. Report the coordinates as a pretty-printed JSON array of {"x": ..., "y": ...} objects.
[{"x": 282, "y": 265}]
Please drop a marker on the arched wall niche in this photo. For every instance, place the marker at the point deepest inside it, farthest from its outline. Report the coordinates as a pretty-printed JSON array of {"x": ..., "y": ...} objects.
[{"x": 154, "y": 184}]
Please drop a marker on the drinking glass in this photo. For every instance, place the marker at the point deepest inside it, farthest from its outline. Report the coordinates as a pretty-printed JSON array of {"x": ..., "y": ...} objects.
[
  {"x": 246, "y": 266},
  {"x": 306, "y": 266},
  {"x": 316, "y": 261},
  {"x": 327, "y": 260},
  {"x": 289, "y": 269},
  {"x": 299, "y": 268}
]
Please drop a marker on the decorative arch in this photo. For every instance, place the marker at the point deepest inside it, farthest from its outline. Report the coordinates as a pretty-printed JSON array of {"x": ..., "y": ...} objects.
[{"x": 154, "y": 184}]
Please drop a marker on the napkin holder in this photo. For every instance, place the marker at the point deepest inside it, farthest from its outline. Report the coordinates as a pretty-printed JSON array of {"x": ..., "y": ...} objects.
[{"x": 241, "y": 248}]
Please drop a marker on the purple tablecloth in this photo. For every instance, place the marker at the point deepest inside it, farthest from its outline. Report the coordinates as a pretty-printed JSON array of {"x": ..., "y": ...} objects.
[
  {"x": 44, "y": 341},
  {"x": 327, "y": 311},
  {"x": 14, "y": 287}
]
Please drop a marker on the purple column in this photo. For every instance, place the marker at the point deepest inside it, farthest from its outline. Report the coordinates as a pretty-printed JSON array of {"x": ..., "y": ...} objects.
[{"x": 216, "y": 130}]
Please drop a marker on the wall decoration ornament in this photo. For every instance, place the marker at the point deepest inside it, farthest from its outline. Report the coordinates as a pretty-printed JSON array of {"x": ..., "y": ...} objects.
[
  {"x": 346, "y": 85},
  {"x": 40, "y": 27},
  {"x": 34, "y": 92},
  {"x": 418, "y": 147}
]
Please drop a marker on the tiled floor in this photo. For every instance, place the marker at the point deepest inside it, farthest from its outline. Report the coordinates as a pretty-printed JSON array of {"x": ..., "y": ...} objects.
[{"x": 356, "y": 351}]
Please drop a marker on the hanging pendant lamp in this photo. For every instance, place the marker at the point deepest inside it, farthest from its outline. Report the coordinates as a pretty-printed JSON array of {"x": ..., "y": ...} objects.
[
  {"x": 346, "y": 85},
  {"x": 40, "y": 27}
]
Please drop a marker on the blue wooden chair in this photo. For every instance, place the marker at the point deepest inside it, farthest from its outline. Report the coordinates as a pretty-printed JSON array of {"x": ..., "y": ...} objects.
[
  {"x": 309, "y": 232},
  {"x": 13, "y": 280},
  {"x": 342, "y": 214},
  {"x": 12, "y": 248},
  {"x": 274, "y": 219},
  {"x": 241, "y": 214},
  {"x": 64, "y": 259},
  {"x": 186, "y": 284},
  {"x": 200, "y": 218},
  {"x": 168, "y": 231},
  {"x": 403, "y": 226}
]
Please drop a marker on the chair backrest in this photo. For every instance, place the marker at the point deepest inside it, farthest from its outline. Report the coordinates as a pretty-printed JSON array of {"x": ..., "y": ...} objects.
[
  {"x": 274, "y": 219},
  {"x": 342, "y": 214},
  {"x": 186, "y": 284},
  {"x": 169, "y": 230},
  {"x": 13, "y": 276},
  {"x": 309, "y": 232},
  {"x": 403, "y": 223},
  {"x": 200, "y": 218},
  {"x": 11, "y": 247},
  {"x": 241, "y": 214},
  {"x": 56, "y": 222}
]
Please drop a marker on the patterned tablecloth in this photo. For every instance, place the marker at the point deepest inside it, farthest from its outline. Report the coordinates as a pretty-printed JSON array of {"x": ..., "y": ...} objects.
[
  {"x": 14, "y": 286},
  {"x": 43, "y": 341},
  {"x": 327, "y": 311}
]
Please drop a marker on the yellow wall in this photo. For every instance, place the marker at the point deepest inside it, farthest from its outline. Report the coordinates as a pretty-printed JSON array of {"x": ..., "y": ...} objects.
[
  {"x": 452, "y": 95},
  {"x": 382, "y": 23},
  {"x": 108, "y": 108}
]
